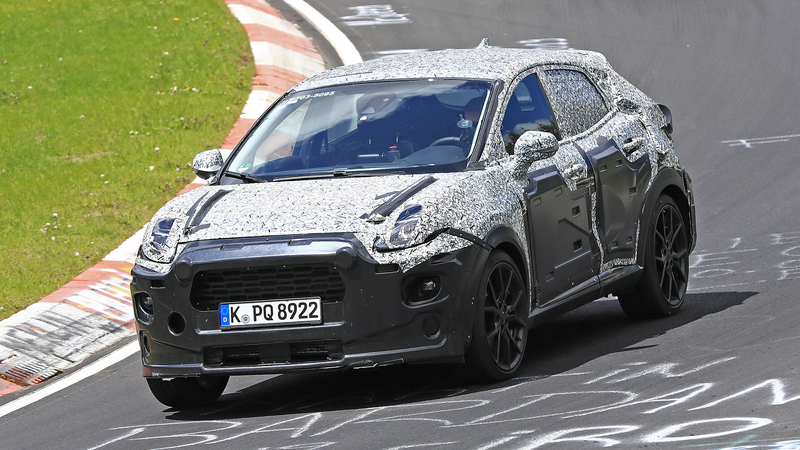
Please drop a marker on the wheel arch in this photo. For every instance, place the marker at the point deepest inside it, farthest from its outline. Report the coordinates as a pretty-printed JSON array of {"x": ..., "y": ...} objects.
[
  {"x": 504, "y": 238},
  {"x": 671, "y": 182}
]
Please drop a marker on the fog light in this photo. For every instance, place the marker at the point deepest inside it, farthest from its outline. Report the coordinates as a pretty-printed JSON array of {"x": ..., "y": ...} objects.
[
  {"x": 143, "y": 306},
  {"x": 147, "y": 303},
  {"x": 427, "y": 288},
  {"x": 422, "y": 289}
]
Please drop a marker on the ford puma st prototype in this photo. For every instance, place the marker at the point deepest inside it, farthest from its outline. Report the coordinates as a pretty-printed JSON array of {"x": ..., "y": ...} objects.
[{"x": 428, "y": 207}]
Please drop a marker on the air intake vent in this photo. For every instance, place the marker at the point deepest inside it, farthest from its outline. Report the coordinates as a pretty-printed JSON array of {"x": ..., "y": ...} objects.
[{"x": 295, "y": 352}]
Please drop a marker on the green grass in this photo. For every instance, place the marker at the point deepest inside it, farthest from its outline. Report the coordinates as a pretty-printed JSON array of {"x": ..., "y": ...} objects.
[{"x": 103, "y": 104}]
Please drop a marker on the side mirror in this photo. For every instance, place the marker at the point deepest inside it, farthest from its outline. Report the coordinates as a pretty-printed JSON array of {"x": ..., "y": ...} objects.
[
  {"x": 532, "y": 146},
  {"x": 206, "y": 164},
  {"x": 667, "y": 118}
]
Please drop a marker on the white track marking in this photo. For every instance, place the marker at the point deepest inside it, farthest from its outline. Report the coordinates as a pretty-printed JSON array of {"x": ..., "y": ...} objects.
[
  {"x": 344, "y": 48},
  {"x": 63, "y": 383}
]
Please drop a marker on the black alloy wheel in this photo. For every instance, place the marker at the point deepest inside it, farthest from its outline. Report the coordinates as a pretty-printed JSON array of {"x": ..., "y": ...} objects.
[
  {"x": 662, "y": 288},
  {"x": 671, "y": 255},
  {"x": 500, "y": 331}
]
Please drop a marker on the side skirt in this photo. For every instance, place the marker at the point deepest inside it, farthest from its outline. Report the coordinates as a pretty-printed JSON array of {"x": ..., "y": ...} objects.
[
  {"x": 619, "y": 279},
  {"x": 616, "y": 279}
]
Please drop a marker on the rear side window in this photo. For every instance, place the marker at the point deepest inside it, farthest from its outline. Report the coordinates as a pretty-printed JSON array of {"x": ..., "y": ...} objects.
[
  {"x": 578, "y": 105},
  {"x": 527, "y": 110}
]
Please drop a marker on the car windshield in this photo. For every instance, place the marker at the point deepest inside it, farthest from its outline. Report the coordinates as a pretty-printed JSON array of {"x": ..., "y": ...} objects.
[{"x": 359, "y": 129}]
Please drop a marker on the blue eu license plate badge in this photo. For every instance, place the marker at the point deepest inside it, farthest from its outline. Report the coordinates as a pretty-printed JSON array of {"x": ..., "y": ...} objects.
[{"x": 224, "y": 315}]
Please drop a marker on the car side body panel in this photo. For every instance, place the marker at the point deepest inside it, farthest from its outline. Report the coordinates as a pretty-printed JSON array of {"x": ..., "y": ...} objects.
[
  {"x": 562, "y": 242},
  {"x": 621, "y": 191}
]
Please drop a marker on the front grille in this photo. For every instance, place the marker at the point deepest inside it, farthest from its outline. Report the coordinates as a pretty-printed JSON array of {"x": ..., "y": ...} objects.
[{"x": 211, "y": 288}]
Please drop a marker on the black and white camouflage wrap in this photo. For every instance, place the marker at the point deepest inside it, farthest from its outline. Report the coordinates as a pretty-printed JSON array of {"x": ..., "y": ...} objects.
[{"x": 472, "y": 201}]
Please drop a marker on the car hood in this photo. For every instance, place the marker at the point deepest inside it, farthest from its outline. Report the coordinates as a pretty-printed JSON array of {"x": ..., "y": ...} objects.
[
  {"x": 471, "y": 202},
  {"x": 285, "y": 208}
]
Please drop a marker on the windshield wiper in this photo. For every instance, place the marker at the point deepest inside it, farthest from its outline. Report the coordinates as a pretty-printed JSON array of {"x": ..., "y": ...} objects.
[
  {"x": 336, "y": 174},
  {"x": 245, "y": 177}
]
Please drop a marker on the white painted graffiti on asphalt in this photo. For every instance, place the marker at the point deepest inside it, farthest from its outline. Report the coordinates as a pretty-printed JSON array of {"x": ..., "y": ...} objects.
[
  {"x": 521, "y": 414},
  {"x": 547, "y": 43},
  {"x": 374, "y": 15},
  {"x": 749, "y": 143},
  {"x": 725, "y": 267},
  {"x": 541, "y": 43},
  {"x": 782, "y": 445}
]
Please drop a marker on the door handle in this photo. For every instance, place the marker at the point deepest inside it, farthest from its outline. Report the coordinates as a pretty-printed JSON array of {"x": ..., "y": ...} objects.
[{"x": 632, "y": 144}]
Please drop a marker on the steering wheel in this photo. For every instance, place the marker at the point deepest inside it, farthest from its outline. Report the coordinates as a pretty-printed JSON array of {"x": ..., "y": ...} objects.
[{"x": 449, "y": 140}]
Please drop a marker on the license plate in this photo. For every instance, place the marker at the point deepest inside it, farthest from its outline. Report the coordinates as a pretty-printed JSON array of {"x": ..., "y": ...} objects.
[{"x": 269, "y": 313}]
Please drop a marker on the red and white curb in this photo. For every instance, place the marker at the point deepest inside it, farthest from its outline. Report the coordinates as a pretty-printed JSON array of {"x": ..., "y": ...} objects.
[{"x": 94, "y": 310}]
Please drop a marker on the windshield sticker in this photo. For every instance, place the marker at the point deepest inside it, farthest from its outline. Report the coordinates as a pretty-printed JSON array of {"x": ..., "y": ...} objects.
[{"x": 294, "y": 100}]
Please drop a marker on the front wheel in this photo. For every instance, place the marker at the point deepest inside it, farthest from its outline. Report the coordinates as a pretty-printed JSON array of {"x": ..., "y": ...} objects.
[
  {"x": 499, "y": 331},
  {"x": 661, "y": 289},
  {"x": 188, "y": 392}
]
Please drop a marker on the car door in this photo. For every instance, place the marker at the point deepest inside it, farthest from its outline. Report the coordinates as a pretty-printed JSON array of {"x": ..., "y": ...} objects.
[
  {"x": 559, "y": 208},
  {"x": 615, "y": 145}
]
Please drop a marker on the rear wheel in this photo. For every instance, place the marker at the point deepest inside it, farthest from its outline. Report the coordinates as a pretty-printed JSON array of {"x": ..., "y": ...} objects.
[
  {"x": 188, "y": 392},
  {"x": 661, "y": 289},
  {"x": 499, "y": 332}
]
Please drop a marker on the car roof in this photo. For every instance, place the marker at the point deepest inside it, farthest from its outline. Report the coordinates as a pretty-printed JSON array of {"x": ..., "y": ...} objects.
[{"x": 484, "y": 62}]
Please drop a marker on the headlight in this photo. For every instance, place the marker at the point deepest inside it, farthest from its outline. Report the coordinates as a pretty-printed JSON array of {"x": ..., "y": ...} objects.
[
  {"x": 403, "y": 232},
  {"x": 162, "y": 242}
]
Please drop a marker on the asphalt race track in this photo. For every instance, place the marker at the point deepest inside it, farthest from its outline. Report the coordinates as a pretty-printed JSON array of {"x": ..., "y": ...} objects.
[{"x": 723, "y": 374}]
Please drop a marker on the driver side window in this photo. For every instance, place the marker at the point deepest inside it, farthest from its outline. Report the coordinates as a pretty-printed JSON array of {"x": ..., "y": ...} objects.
[{"x": 527, "y": 110}]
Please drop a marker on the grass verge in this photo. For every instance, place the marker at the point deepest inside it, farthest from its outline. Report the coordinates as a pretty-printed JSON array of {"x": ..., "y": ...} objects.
[{"x": 103, "y": 104}]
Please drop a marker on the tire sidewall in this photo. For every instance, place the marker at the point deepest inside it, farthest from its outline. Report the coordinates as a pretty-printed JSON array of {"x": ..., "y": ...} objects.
[{"x": 188, "y": 392}]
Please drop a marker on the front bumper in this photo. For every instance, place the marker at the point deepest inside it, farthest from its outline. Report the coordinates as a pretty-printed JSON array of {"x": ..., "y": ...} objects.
[
  {"x": 687, "y": 185},
  {"x": 373, "y": 314}
]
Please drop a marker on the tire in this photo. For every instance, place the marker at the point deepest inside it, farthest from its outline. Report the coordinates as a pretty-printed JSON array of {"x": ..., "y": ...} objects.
[
  {"x": 499, "y": 331},
  {"x": 188, "y": 392},
  {"x": 661, "y": 290}
]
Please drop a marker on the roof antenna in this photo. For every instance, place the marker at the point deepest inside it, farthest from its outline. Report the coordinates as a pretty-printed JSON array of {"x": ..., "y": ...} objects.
[{"x": 484, "y": 43}]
